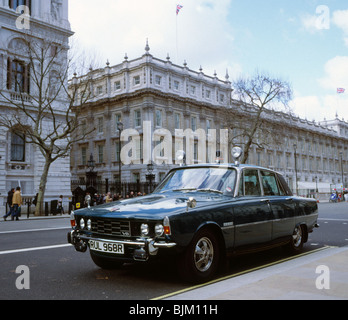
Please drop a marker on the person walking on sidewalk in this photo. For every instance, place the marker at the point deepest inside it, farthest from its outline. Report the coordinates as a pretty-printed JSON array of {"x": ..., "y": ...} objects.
[
  {"x": 16, "y": 203},
  {"x": 9, "y": 202}
]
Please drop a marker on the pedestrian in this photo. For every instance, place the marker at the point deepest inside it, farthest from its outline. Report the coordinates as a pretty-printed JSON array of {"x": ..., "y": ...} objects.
[
  {"x": 17, "y": 203},
  {"x": 108, "y": 198},
  {"x": 88, "y": 199},
  {"x": 9, "y": 202},
  {"x": 60, "y": 207}
]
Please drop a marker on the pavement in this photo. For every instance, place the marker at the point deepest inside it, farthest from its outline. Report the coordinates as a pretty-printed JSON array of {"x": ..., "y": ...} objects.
[{"x": 322, "y": 275}]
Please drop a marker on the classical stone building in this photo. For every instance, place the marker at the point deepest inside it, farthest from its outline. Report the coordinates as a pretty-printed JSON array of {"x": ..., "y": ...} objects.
[
  {"x": 21, "y": 163},
  {"x": 157, "y": 102}
]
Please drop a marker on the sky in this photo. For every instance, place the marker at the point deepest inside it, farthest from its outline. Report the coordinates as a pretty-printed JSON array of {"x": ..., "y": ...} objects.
[{"x": 304, "y": 42}]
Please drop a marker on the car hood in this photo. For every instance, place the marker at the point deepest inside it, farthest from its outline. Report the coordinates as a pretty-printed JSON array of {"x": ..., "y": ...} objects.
[{"x": 154, "y": 206}]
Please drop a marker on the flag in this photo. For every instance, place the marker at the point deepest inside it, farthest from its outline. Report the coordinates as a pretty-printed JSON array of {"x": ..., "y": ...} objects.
[
  {"x": 178, "y": 8},
  {"x": 340, "y": 90}
]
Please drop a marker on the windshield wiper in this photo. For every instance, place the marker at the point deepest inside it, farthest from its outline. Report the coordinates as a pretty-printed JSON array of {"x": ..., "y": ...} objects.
[
  {"x": 185, "y": 189},
  {"x": 210, "y": 190}
]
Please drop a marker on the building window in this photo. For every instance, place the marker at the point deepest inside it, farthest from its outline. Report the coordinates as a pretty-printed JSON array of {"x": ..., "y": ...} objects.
[
  {"x": 208, "y": 94},
  {"x": 118, "y": 118},
  {"x": 136, "y": 80},
  {"x": 13, "y": 4},
  {"x": 177, "y": 120},
  {"x": 18, "y": 76},
  {"x": 100, "y": 153},
  {"x": 99, "y": 90},
  {"x": 158, "y": 118},
  {"x": 176, "y": 85},
  {"x": 158, "y": 80},
  {"x": 193, "y": 123},
  {"x": 84, "y": 156},
  {"x": 137, "y": 118},
  {"x": 117, "y": 85},
  {"x": 17, "y": 147},
  {"x": 193, "y": 90},
  {"x": 100, "y": 125}
]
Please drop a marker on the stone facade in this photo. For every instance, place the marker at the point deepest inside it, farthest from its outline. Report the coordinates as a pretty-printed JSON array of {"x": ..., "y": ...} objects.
[
  {"x": 171, "y": 97},
  {"x": 22, "y": 163}
]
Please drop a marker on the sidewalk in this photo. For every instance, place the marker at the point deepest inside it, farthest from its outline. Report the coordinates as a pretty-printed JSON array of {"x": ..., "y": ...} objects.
[{"x": 290, "y": 280}]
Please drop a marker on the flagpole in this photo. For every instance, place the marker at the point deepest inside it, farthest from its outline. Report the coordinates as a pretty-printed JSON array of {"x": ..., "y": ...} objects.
[{"x": 177, "y": 41}]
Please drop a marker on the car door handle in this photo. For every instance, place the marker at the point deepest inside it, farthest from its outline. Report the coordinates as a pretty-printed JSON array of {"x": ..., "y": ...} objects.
[
  {"x": 289, "y": 199},
  {"x": 265, "y": 200}
]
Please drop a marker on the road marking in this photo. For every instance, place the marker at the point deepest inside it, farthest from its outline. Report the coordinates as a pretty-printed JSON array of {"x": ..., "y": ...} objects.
[
  {"x": 35, "y": 249},
  {"x": 331, "y": 219},
  {"x": 241, "y": 273},
  {"x": 34, "y": 230}
]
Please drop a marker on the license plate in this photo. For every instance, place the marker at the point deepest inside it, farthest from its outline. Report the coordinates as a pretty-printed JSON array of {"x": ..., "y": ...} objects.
[{"x": 107, "y": 247}]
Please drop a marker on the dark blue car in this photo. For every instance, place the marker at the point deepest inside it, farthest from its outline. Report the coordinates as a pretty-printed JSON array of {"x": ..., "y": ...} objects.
[{"x": 197, "y": 216}]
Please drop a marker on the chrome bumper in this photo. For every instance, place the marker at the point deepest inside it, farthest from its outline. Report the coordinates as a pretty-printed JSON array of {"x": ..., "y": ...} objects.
[{"x": 146, "y": 245}]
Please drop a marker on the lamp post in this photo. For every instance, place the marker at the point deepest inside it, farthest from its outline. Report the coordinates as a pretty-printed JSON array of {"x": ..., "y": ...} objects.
[
  {"x": 120, "y": 129},
  {"x": 150, "y": 176},
  {"x": 91, "y": 175},
  {"x": 341, "y": 155},
  {"x": 295, "y": 146}
]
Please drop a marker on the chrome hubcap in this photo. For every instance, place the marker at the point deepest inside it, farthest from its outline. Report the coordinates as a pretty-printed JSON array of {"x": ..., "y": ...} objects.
[
  {"x": 297, "y": 236},
  {"x": 204, "y": 254}
]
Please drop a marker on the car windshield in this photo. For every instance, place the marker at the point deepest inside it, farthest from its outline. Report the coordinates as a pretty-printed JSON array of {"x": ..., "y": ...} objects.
[{"x": 219, "y": 180}]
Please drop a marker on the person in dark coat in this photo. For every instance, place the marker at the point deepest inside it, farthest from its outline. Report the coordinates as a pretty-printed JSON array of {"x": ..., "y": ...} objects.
[{"x": 9, "y": 202}]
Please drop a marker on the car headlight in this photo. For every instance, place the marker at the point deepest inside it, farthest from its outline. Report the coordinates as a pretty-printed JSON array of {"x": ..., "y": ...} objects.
[
  {"x": 159, "y": 230},
  {"x": 89, "y": 224},
  {"x": 144, "y": 229},
  {"x": 82, "y": 223}
]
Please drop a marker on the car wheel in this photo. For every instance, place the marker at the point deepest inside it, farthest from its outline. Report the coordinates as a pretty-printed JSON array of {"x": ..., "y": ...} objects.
[
  {"x": 297, "y": 241},
  {"x": 200, "y": 261},
  {"x": 105, "y": 263}
]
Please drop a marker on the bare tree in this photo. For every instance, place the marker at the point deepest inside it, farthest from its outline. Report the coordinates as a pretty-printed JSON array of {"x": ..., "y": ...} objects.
[
  {"x": 40, "y": 104},
  {"x": 256, "y": 96}
]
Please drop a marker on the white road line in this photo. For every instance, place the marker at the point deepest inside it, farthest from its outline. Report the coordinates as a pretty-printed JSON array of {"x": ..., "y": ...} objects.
[
  {"x": 33, "y": 230},
  {"x": 35, "y": 249}
]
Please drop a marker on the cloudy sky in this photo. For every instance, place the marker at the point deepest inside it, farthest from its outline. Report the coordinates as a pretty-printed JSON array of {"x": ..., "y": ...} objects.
[{"x": 301, "y": 41}]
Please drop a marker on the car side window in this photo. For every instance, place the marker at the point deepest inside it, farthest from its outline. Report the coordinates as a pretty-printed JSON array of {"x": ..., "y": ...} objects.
[
  {"x": 251, "y": 183},
  {"x": 284, "y": 185},
  {"x": 269, "y": 183}
]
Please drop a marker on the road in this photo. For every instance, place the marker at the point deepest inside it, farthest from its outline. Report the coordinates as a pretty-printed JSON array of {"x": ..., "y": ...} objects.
[{"x": 57, "y": 271}]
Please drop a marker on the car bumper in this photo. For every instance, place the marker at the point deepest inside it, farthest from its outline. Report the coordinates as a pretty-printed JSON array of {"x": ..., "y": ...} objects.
[{"x": 139, "y": 250}]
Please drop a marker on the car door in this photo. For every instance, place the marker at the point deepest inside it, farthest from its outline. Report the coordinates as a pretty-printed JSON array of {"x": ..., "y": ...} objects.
[
  {"x": 281, "y": 202},
  {"x": 252, "y": 215}
]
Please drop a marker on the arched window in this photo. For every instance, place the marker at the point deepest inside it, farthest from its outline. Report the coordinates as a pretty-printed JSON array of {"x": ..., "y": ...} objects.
[{"x": 17, "y": 147}]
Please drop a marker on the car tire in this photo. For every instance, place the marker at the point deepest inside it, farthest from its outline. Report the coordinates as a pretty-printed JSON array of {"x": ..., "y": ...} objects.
[
  {"x": 201, "y": 259},
  {"x": 105, "y": 263},
  {"x": 297, "y": 241}
]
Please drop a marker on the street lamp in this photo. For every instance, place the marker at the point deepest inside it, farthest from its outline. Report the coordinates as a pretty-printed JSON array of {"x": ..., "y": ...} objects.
[
  {"x": 150, "y": 176},
  {"x": 91, "y": 175},
  {"x": 295, "y": 146},
  {"x": 120, "y": 129}
]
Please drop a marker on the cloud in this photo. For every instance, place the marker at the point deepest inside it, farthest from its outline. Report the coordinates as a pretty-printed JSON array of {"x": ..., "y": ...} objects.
[
  {"x": 336, "y": 71},
  {"x": 200, "y": 34},
  {"x": 340, "y": 19}
]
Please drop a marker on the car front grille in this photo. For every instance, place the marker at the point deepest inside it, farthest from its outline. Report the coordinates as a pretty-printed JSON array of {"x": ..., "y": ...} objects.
[{"x": 111, "y": 227}]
